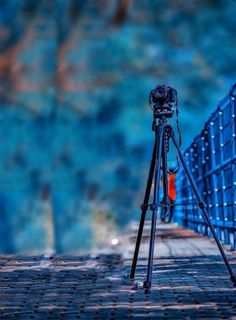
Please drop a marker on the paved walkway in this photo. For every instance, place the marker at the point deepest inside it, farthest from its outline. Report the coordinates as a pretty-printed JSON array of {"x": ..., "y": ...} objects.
[{"x": 189, "y": 282}]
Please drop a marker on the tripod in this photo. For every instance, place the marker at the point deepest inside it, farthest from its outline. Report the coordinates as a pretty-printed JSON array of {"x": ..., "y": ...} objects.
[{"x": 163, "y": 133}]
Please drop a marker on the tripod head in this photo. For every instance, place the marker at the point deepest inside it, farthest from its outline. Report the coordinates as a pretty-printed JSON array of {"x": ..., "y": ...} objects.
[{"x": 164, "y": 103}]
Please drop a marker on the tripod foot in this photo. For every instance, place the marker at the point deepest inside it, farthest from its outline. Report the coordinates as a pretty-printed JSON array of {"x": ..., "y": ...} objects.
[
  {"x": 147, "y": 285},
  {"x": 233, "y": 279},
  {"x": 133, "y": 284}
]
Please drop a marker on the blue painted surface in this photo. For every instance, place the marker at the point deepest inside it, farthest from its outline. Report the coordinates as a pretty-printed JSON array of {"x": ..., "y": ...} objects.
[{"x": 211, "y": 158}]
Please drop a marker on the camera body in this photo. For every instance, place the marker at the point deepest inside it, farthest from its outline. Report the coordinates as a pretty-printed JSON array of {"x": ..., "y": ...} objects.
[{"x": 162, "y": 100}]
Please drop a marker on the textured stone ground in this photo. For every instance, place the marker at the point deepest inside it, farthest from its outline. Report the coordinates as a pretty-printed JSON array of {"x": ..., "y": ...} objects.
[{"x": 189, "y": 282}]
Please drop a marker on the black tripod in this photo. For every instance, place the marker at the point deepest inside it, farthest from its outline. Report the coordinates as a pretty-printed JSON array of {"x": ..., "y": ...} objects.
[{"x": 163, "y": 133}]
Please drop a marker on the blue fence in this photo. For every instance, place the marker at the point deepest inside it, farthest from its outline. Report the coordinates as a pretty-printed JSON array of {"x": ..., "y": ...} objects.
[{"x": 211, "y": 158}]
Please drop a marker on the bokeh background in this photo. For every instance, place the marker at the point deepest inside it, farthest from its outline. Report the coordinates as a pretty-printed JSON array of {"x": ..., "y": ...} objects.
[{"x": 75, "y": 125}]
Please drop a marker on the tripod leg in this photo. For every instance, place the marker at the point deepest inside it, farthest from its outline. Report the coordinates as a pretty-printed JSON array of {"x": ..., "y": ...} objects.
[
  {"x": 165, "y": 178},
  {"x": 144, "y": 210},
  {"x": 160, "y": 133},
  {"x": 204, "y": 211}
]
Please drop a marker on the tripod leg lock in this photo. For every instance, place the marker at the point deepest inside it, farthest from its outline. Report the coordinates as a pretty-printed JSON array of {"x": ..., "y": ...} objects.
[
  {"x": 144, "y": 207},
  {"x": 154, "y": 207},
  {"x": 201, "y": 205}
]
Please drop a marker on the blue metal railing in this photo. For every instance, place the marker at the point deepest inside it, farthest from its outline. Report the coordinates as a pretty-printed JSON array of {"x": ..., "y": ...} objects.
[{"x": 211, "y": 158}]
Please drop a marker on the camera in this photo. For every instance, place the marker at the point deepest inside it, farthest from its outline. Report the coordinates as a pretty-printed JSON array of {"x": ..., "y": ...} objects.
[{"x": 162, "y": 100}]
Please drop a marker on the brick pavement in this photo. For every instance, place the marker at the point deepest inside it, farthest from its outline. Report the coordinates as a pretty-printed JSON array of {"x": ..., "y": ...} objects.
[{"x": 189, "y": 282}]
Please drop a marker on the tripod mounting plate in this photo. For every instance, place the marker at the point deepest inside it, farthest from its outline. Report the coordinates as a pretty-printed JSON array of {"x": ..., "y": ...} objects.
[{"x": 160, "y": 113}]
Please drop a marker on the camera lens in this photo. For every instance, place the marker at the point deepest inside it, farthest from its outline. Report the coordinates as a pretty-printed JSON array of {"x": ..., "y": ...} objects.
[{"x": 160, "y": 93}]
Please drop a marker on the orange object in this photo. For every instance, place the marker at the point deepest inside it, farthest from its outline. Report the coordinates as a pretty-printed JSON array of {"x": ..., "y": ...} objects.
[{"x": 171, "y": 187}]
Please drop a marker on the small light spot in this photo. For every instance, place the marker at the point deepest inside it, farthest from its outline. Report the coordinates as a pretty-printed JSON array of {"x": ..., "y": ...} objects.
[{"x": 114, "y": 242}]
